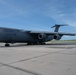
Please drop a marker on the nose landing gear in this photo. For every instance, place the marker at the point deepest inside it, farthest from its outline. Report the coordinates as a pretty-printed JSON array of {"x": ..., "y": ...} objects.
[{"x": 7, "y": 45}]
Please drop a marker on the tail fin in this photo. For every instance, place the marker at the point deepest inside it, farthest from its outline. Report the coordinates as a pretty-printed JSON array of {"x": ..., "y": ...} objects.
[{"x": 57, "y": 26}]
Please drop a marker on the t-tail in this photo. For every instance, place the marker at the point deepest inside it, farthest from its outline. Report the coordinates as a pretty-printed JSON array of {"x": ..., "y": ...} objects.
[{"x": 57, "y": 26}]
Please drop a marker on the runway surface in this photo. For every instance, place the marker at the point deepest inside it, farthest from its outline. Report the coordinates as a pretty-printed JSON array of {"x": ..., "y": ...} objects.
[{"x": 51, "y": 59}]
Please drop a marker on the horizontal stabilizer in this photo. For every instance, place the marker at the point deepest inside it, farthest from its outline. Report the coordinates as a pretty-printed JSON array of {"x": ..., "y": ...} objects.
[{"x": 57, "y": 26}]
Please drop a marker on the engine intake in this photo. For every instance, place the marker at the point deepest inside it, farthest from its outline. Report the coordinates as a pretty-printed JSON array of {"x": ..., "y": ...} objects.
[
  {"x": 42, "y": 36},
  {"x": 57, "y": 37}
]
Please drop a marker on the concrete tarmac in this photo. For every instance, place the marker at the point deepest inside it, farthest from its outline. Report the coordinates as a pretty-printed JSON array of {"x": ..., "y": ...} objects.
[{"x": 50, "y": 59}]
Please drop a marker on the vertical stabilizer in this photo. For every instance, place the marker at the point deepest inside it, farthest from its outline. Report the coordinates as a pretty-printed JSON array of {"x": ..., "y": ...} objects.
[{"x": 57, "y": 26}]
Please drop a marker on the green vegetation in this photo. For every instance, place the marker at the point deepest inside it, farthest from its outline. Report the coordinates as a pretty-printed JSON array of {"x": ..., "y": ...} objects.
[
  {"x": 70, "y": 40},
  {"x": 62, "y": 41}
]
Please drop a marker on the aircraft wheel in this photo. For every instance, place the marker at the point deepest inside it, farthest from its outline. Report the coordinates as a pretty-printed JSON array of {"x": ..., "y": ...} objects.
[
  {"x": 42, "y": 43},
  {"x": 29, "y": 43},
  {"x": 34, "y": 43},
  {"x": 7, "y": 45}
]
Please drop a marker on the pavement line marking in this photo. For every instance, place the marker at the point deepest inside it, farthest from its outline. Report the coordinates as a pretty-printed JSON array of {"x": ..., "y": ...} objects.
[
  {"x": 20, "y": 69},
  {"x": 37, "y": 56}
]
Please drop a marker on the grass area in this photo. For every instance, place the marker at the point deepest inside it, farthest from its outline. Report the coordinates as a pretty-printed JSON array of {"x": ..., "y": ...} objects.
[
  {"x": 68, "y": 40},
  {"x": 62, "y": 41}
]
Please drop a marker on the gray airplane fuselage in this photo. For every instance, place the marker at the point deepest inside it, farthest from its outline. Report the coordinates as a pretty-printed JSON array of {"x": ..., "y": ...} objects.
[{"x": 8, "y": 35}]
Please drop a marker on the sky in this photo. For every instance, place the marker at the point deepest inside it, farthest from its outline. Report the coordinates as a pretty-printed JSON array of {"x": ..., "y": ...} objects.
[{"x": 39, "y": 15}]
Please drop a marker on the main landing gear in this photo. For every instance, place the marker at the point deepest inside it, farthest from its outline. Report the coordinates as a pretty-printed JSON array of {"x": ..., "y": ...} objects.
[
  {"x": 35, "y": 43},
  {"x": 7, "y": 45}
]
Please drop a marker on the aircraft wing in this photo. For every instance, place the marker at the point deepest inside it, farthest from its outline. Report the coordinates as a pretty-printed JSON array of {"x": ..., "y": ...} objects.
[{"x": 52, "y": 33}]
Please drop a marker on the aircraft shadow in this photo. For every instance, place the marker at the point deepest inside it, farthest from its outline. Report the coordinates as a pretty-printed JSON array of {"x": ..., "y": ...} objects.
[{"x": 23, "y": 45}]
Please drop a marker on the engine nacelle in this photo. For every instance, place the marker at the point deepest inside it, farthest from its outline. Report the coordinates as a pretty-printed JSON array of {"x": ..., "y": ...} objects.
[
  {"x": 57, "y": 37},
  {"x": 42, "y": 36}
]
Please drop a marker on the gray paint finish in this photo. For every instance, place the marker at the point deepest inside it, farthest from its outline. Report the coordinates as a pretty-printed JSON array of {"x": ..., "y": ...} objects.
[{"x": 9, "y": 35}]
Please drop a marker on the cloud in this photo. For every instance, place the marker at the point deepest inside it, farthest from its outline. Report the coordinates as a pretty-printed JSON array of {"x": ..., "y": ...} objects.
[{"x": 61, "y": 11}]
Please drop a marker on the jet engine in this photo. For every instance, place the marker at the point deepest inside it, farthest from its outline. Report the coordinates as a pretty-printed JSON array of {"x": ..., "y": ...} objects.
[
  {"x": 57, "y": 37},
  {"x": 42, "y": 36}
]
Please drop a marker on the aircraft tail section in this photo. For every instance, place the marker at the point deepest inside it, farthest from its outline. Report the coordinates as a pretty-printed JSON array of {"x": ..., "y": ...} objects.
[{"x": 57, "y": 26}]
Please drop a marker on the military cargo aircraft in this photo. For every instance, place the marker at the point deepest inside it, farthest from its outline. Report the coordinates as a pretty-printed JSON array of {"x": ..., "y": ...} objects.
[{"x": 10, "y": 36}]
